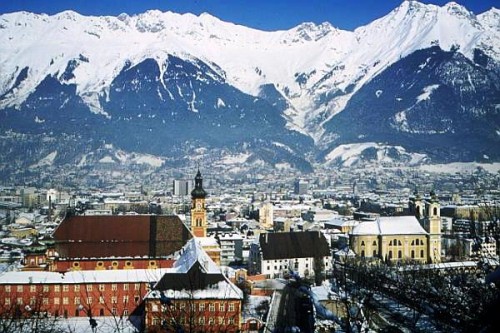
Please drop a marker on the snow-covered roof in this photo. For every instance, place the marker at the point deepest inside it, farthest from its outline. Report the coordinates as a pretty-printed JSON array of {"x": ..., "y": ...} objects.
[
  {"x": 390, "y": 225},
  {"x": 221, "y": 290},
  {"x": 80, "y": 277},
  {"x": 191, "y": 253}
]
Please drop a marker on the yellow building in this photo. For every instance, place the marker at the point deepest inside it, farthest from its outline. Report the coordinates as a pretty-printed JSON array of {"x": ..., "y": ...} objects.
[{"x": 398, "y": 238}]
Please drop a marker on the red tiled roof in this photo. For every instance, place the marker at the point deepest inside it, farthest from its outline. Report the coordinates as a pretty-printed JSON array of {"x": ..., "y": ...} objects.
[{"x": 120, "y": 236}]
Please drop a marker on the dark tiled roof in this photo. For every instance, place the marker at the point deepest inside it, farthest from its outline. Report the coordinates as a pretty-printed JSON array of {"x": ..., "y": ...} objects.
[
  {"x": 120, "y": 236},
  {"x": 287, "y": 245},
  {"x": 194, "y": 279}
]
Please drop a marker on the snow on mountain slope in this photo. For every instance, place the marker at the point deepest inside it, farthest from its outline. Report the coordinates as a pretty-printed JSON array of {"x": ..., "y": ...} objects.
[{"x": 317, "y": 68}]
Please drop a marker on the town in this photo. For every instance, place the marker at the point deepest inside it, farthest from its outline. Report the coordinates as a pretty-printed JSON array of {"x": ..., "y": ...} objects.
[{"x": 348, "y": 250}]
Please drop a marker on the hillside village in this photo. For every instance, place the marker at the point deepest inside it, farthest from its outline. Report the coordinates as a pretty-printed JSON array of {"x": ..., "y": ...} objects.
[{"x": 199, "y": 255}]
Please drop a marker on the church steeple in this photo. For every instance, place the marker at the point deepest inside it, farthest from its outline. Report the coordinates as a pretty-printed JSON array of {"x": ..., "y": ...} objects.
[
  {"x": 198, "y": 192},
  {"x": 198, "y": 212}
]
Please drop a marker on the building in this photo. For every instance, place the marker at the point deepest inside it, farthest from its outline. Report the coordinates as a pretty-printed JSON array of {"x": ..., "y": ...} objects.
[
  {"x": 182, "y": 187},
  {"x": 392, "y": 238},
  {"x": 193, "y": 296},
  {"x": 399, "y": 238},
  {"x": 77, "y": 293},
  {"x": 199, "y": 224},
  {"x": 117, "y": 242},
  {"x": 300, "y": 187},
  {"x": 266, "y": 214},
  {"x": 198, "y": 210},
  {"x": 276, "y": 254},
  {"x": 231, "y": 246}
]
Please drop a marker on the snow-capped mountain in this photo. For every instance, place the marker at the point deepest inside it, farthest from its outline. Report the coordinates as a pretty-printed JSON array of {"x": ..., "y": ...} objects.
[{"x": 167, "y": 80}]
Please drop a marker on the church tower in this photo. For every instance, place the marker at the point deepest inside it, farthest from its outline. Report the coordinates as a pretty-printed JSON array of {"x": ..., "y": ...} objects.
[
  {"x": 433, "y": 223},
  {"x": 198, "y": 212}
]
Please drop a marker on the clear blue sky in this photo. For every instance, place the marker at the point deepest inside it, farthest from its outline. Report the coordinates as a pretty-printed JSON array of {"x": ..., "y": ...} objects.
[{"x": 261, "y": 14}]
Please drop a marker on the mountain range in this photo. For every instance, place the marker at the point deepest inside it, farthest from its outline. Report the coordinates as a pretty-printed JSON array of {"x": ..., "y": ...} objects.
[{"x": 419, "y": 85}]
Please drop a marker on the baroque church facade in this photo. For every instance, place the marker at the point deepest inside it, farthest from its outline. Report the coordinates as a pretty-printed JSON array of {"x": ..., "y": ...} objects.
[{"x": 399, "y": 238}]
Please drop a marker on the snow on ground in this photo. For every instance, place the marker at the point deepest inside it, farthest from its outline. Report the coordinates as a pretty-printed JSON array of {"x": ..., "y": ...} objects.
[
  {"x": 154, "y": 161},
  {"x": 427, "y": 92},
  {"x": 462, "y": 167},
  {"x": 47, "y": 160},
  {"x": 107, "y": 159}
]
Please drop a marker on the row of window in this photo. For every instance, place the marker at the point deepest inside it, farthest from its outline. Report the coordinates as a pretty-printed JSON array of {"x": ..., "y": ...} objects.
[
  {"x": 397, "y": 242},
  {"x": 192, "y": 306},
  {"x": 65, "y": 287},
  {"x": 76, "y": 300},
  {"x": 400, "y": 254},
  {"x": 201, "y": 321}
]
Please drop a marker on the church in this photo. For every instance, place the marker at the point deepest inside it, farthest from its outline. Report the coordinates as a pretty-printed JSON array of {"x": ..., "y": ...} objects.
[
  {"x": 402, "y": 238},
  {"x": 199, "y": 223}
]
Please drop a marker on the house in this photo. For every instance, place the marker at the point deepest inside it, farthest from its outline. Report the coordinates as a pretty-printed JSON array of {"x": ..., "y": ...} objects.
[
  {"x": 276, "y": 254},
  {"x": 192, "y": 296}
]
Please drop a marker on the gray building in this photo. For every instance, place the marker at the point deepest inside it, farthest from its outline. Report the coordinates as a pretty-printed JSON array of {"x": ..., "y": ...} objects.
[{"x": 182, "y": 187}]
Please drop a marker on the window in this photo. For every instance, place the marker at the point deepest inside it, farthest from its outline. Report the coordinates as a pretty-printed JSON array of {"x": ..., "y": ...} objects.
[
  {"x": 125, "y": 299},
  {"x": 7, "y": 289},
  {"x": 76, "y": 301},
  {"x": 128, "y": 263},
  {"x": 210, "y": 321},
  {"x": 57, "y": 288},
  {"x": 390, "y": 254},
  {"x": 101, "y": 300},
  {"x": 125, "y": 286},
  {"x": 89, "y": 287},
  {"x": 230, "y": 321},
  {"x": 102, "y": 287},
  {"x": 222, "y": 307},
  {"x": 89, "y": 300},
  {"x": 57, "y": 301},
  {"x": 362, "y": 243},
  {"x": 201, "y": 320},
  {"x": 114, "y": 299},
  {"x": 45, "y": 301},
  {"x": 65, "y": 300},
  {"x": 231, "y": 307},
  {"x": 65, "y": 288},
  {"x": 114, "y": 287},
  {"x": 221, "y": 320},
  {"x": 390, "y": 243},
  {"x": 101, "y": 312},
  {"x": 363, "y": 253},
  {"x": 137, "y": 286},
  {"x": 435, "y": 211},
  {"x": 114, "y": 311},
  {"x": 422, "y": 253},
  {"x": 374, "y": 253},
  {"x": 201, "y": 307},
  {"x": 33, "y": 289},
  {"x": 32, "y": 300},
  {"x": 211, "y": 307},
  {"x": 77, "y": 287},
  {"x": 125, "y": 312},
  {"x": 413, "y": 254},
  {"x": 19, "y": 289},
  {"x": 400, "y": 254},
  {"x": 19, "y": 301},
  {"x": 374, "y": 243},
  {"x": 7, "y": 301}
]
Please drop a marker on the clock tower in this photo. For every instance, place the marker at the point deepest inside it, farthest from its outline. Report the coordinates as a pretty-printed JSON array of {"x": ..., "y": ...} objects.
[{"x": 198, "y": 212}]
